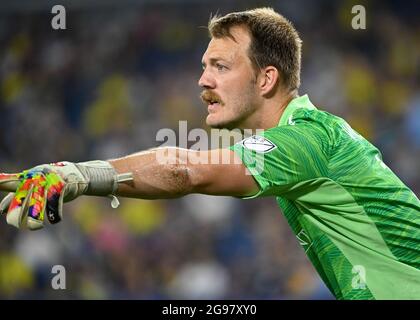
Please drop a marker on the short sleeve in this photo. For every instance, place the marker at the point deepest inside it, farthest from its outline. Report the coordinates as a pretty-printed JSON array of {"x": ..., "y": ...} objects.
[{"x": 283, "y": 157}]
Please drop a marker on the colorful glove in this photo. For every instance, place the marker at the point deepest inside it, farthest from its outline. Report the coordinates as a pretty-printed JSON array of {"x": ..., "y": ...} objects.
[{"x": 42, "y": 190}]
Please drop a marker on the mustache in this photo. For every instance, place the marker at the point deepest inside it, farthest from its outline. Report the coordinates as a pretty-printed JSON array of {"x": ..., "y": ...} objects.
[{"x": 210, "y": 96}]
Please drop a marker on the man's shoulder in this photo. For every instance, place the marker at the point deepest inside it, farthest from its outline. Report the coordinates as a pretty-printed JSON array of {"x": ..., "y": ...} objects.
[
  {"x": 302, "y": 110},
  {"x": 308, "y": 121},
  {"x": 313, "y": 116},
  {"x": 320, "y": 122}
]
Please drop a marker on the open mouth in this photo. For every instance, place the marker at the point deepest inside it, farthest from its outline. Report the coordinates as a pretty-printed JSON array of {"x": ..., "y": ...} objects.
[
  {"x": 212, "y": 105},
  {"x": 211, "y": 99},
  {"x": 213, "y": 102}
]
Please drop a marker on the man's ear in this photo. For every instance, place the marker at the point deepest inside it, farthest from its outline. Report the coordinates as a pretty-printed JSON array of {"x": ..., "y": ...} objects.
[{"x": 269, "y": 80}]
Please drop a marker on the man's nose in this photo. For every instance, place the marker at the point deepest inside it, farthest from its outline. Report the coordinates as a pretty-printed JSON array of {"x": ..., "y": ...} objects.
[{"x": 206, "y": 81}]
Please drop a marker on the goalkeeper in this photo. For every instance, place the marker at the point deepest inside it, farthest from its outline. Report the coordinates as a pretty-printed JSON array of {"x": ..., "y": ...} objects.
[{"x": 353, "y": 216}]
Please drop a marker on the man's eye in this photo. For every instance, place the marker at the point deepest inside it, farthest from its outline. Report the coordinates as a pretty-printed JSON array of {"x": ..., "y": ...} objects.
[{"x": 220, "y": 67}]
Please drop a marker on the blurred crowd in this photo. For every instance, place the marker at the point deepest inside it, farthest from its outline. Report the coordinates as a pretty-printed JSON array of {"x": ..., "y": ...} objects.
[{"x": 103, "y": 88}]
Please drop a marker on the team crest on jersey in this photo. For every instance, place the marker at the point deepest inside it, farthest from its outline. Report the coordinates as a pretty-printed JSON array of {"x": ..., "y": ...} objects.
[
  {"x": 258, "y": 144},
  {"x": 304, "y": 240}
]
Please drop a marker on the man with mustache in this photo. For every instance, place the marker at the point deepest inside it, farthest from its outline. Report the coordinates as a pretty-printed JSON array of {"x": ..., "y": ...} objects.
[{"x": 355, "y": 219}]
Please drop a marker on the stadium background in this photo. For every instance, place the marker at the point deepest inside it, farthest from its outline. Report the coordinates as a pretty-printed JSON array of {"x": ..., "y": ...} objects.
[{"x": 103, "y": 87}]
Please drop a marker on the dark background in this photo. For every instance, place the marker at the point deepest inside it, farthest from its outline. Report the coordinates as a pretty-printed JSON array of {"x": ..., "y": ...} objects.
[{"x": 121, "y": 71}]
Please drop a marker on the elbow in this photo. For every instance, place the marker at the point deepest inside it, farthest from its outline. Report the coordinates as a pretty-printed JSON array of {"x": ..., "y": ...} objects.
[
  {"x": 180, "y": 180},
  {"x": 185, "y": 177}
]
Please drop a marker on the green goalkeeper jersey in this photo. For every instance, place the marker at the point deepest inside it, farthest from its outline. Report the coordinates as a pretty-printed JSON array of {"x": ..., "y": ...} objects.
[{"x": 357, "y": 222}]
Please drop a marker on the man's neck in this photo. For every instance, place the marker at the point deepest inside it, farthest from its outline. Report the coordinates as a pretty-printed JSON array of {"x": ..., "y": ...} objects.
[{"x": 268, "y": 116}]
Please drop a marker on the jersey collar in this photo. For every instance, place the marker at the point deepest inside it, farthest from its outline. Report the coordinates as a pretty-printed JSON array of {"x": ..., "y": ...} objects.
[{"x": 296, "y": 103}]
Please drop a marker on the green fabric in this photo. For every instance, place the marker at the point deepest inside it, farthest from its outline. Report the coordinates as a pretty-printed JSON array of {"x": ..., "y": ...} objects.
[{"x": 356, "y": 220}]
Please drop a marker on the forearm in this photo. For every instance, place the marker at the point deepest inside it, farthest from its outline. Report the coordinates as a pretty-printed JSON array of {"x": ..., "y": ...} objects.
[{"x": 170, "y": 177}]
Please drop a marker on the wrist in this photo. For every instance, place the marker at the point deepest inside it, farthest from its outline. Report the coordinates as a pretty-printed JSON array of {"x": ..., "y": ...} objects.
[{"x": 102, "y": 177}]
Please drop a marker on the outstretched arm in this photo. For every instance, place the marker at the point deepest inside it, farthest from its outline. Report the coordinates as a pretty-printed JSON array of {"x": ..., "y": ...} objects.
[
  {"x": 40, "y": 192},
  {"x": 174, "y": 172}
]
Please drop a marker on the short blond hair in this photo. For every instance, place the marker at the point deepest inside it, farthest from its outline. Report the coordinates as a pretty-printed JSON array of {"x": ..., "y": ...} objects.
[{"x": 274, "y": 41}]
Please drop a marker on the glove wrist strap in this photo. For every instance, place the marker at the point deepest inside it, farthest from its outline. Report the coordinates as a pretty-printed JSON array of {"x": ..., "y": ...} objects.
[{"x": 103, "y": 178}]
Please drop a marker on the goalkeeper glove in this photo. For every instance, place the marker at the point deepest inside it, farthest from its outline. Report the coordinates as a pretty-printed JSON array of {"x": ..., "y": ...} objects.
[{"x": 41, "y": 191}]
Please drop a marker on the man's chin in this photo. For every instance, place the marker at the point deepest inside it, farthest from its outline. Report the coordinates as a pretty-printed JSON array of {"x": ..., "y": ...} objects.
[
  {"x": 218, "y": 124},
  {"x": 214, "y": 123}
]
